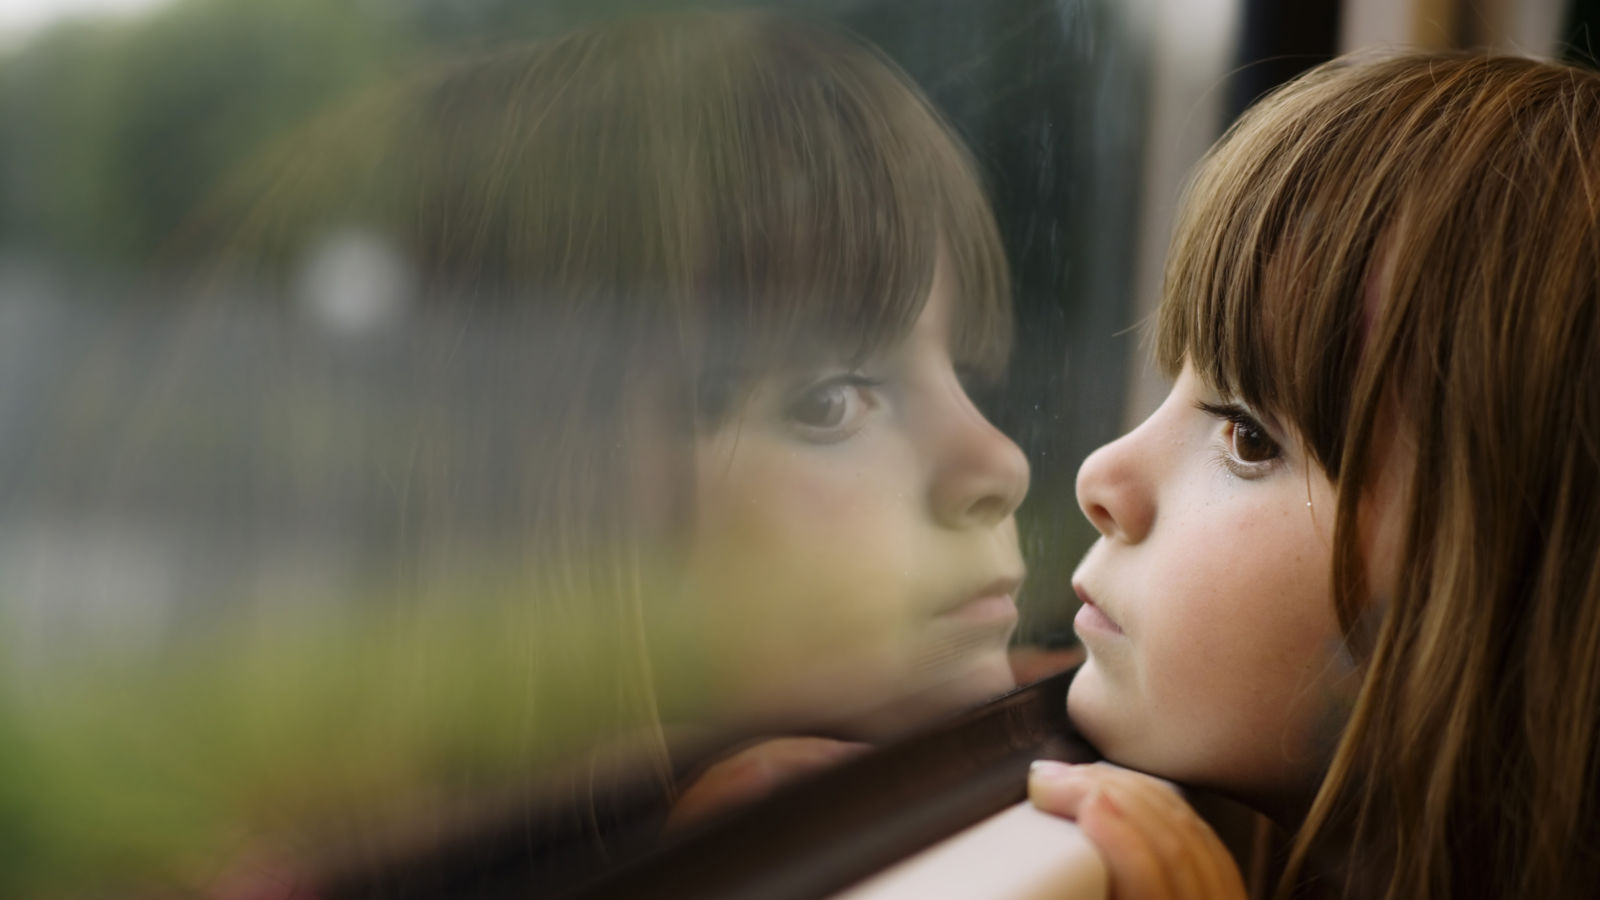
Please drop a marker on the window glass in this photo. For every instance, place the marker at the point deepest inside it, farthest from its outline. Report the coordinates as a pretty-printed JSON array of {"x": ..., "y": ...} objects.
[
  {"x": 1577, "y": 41},
  {"x": 415, "y": 411}
]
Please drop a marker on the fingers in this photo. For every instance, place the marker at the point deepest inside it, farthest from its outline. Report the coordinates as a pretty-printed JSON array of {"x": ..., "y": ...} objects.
[
  {"x": 1058, "y": 788},
  {"x": 1153, "y": 844},
  {"x": 1136, "y": 869},
  {"x": 1192, "y": 860}
]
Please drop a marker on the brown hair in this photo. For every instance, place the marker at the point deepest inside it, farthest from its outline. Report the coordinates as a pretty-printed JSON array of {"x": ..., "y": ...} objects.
[{"x": 1414, "y": 243}]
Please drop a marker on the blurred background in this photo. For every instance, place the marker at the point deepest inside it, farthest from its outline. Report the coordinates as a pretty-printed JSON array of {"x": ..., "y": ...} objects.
[{"x": 212, "y": 533}]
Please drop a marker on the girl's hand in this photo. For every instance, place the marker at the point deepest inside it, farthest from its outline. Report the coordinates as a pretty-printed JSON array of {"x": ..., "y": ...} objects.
[
  {"x": 755, "y": 772},
  {"x": 1154, "y": 846}
]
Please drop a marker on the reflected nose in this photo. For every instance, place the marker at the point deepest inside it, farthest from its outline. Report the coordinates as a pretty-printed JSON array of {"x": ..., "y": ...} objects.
[
  {"x": 982, "y": 478},
  {"x": 1115, "y": 493}
]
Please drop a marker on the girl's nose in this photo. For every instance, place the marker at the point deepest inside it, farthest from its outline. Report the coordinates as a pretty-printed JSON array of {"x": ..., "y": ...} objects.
[
  {"x": 982, "y": 476},
  {"x": 1115, "y": 493}
]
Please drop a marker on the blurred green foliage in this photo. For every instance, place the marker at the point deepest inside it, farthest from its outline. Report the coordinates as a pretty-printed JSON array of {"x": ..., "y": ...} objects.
[
  {"x": 298, "y": 734},
  {"x": 111, "y": 132}
]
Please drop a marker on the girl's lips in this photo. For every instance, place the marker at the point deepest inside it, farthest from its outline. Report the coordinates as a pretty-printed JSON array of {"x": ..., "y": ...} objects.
[{"x": 1091, "y": 617}]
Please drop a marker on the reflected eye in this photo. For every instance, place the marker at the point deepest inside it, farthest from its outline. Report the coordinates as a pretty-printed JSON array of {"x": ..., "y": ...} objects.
[
  {"x": 823, "y": 406},
  {"x": 832, "y": 409}
]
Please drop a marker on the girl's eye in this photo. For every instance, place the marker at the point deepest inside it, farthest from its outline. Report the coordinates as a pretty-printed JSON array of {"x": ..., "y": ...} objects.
[
  {"x": 1250, "y": 442},
  {"x": 1249, "y": 450},
  {"x": 832, "y": 408}
]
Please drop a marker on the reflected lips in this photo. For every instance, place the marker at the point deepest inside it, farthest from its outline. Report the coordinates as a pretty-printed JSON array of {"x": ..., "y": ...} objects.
[
  {"x": 995, "y": 602},
  {"x": 1091, "y": 617}
]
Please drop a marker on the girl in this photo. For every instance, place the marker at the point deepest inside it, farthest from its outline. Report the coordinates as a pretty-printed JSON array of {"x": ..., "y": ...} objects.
[
  {"x": 1349, "y": 571},
  {"x": 695, "y": 301}
]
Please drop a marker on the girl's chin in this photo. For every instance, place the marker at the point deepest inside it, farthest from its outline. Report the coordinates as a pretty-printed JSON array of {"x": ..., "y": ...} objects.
[{"x": 1088, "y": 707}]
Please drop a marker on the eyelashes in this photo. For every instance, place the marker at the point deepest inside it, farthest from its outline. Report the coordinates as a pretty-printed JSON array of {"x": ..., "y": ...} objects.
[{"x": 1248, "y": 449}]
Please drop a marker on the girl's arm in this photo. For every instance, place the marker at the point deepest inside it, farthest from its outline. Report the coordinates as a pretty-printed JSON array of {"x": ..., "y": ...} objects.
[{"x": 1154, "y": 846}]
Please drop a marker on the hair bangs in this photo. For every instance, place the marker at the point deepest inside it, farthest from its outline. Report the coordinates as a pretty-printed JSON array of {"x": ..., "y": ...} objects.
[
  {"x": 840, "y": 193},
  {"x": 1276, "y": 251}
]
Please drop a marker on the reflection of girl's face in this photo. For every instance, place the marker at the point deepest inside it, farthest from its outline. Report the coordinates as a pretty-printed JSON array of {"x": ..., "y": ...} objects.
[
  {"x": 1214, "y": 651},
  {"x": 854, "y": 531}
]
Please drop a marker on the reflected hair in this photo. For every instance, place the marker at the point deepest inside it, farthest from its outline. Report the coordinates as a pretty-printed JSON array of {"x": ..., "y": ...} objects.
[{"x": 1405, "y": 251}]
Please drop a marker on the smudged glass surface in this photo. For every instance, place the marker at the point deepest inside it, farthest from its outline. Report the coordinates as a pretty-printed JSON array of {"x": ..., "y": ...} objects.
[{"x": 353, "y": 496}]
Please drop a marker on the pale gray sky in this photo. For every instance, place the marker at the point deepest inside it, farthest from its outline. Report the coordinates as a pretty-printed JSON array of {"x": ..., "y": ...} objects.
[{"x": 21, "y": 18}]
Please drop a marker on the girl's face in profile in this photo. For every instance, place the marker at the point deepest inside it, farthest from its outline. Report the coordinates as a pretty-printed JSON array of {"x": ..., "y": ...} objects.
[
  {"x": 1214, "y": 652},
  {"x": 854, "y": 531}
]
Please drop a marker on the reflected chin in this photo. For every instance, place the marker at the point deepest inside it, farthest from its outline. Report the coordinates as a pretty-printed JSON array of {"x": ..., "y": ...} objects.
[
  {"x": 991, "y": 675},
  {"x": 936, "y": 694},
  {"x": 961, "y": 673}
]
